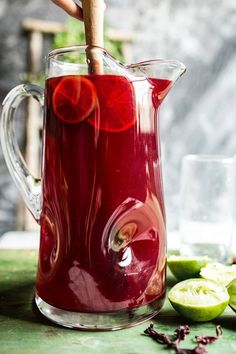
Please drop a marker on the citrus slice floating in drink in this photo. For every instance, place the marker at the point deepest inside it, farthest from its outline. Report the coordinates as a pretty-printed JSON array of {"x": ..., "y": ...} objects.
[
  {"x": 116, "y": 103},
  {"x": 184, "y": 267},
  {"x": 231, "y": 287},
  {"x": 74, "y": 99},
  {"x": 200, "y": 300},
  {"x": 219, "y": 272}
]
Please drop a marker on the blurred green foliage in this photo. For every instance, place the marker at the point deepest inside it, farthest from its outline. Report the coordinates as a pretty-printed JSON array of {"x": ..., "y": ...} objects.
[
  {"x": 74, "y": 35},
  {"x": 29, "y": 78}
]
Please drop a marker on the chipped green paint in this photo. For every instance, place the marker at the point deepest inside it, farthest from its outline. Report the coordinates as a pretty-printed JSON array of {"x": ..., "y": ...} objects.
[{"x": 24, "y": 331}]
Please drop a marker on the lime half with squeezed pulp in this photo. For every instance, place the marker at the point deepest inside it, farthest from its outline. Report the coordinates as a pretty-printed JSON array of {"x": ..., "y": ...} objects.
[
  {"x": 232, "y": 294},
  {"x": 220, "y": 273},
  {"x": 184, "y": 267},
  {"x": 200, "y": 300}
]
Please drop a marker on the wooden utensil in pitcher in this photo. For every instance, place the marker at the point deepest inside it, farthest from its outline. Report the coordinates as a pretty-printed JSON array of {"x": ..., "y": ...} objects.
[{"x": 93, "y": 13}]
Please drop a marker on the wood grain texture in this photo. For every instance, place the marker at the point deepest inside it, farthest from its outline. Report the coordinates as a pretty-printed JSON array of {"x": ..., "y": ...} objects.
[
  {"x": 93, "y": 21},
  {"x": 24, "y": 331},
  {"x": 94, "y": 33}
]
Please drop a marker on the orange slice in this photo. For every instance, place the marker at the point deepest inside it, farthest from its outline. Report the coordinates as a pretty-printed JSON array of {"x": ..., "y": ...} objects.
[
  {"x": 74, "y": 99},
  {"x": 116, "y": 102}
]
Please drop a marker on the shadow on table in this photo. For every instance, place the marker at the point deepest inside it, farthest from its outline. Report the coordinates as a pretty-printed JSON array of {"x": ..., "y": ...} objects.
[
  {"x": 17, "y": 302},
  {"x": 228, "y": 322},
  {"x": 167, "y": 317}
]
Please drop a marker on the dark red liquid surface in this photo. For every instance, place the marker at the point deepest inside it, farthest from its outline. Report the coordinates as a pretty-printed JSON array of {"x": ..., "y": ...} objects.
[{"x": 103, "y": 239}]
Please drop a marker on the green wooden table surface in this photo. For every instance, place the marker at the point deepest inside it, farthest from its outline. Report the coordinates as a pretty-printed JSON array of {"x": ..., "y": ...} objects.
[{"x": 24, "y": 330}]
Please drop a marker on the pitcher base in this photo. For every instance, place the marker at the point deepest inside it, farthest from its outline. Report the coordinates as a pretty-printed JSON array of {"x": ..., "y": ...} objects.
[{"x": 103, "y": 321}]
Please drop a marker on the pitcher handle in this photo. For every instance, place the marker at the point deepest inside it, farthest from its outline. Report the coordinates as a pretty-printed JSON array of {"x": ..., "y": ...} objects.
[{"x": 29, "y": 186}]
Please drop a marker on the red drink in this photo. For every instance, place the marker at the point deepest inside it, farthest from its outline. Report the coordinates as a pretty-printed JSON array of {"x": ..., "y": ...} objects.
[{"x": 102, "y": 223}]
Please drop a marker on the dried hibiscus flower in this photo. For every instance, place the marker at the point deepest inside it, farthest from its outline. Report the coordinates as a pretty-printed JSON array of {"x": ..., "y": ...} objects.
[{"x": 179, "y": 335}]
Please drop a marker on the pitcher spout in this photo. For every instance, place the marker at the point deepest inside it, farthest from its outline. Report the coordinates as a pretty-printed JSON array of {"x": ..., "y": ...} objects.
[
  {"x": 161, "y": 74},
  {"x": 161, "y": 69}
]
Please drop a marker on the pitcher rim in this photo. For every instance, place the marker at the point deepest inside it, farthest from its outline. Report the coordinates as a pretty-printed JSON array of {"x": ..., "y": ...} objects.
[{"x": 72, "y": 48}]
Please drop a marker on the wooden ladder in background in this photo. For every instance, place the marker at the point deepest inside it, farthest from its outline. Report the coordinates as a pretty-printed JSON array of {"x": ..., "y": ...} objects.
[{"x": 37, "y": 31}]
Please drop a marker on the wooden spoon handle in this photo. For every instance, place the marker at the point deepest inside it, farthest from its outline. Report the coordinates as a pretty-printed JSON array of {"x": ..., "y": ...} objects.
[{"x": 93, "y": 13}]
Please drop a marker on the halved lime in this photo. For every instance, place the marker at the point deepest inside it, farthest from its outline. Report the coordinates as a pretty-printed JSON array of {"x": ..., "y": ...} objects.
[
  {"x": 232, "y": 294},
  {"x": 219, "y": 272},
  {"x": 184, "y": 267},
  {"x": 199, "y": 299}
]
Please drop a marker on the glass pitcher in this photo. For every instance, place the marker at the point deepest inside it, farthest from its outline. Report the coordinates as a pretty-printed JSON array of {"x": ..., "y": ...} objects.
[{"x": 102, "y": 256}]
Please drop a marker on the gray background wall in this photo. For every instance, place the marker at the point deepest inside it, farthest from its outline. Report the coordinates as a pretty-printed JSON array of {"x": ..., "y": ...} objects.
[{"x": 199, "y": 116}]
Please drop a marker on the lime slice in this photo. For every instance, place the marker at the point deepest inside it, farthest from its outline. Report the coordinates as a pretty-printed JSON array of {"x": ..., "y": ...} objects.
[
  {"x": 232, "y": 294},
  {"x": 186, "y": 267},
  {"x": 219, "y": 272},
  {"x": 199, "y": 299}
]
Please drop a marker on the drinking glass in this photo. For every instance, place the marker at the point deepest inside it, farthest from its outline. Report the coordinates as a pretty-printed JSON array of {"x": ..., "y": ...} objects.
[{"x": 207, "y": 201}]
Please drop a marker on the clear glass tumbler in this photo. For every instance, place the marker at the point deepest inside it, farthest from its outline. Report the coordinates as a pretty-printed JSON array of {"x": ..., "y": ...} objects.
[{"x": 207, "y": 202}]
